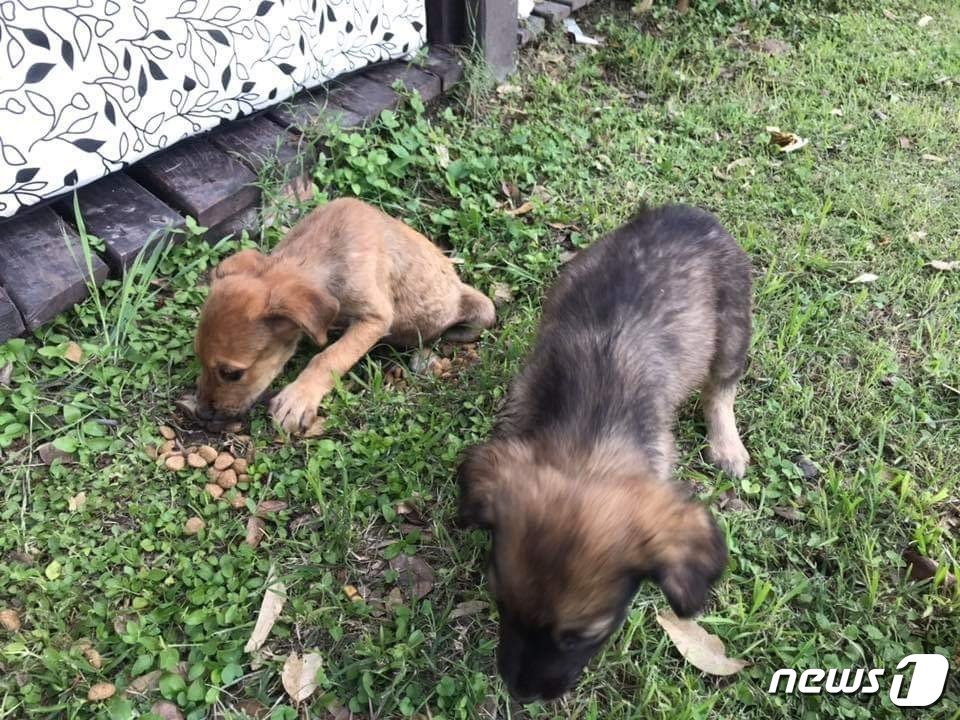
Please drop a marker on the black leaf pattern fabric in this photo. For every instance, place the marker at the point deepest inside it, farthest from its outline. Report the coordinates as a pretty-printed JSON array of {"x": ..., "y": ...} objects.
[{"x": 89, "y": 86}]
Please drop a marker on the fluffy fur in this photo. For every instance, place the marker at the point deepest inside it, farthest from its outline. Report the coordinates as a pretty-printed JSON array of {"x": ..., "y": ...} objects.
[{"x": 576, "y": 483}]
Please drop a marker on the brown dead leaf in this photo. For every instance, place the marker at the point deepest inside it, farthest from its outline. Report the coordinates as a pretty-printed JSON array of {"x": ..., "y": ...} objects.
[
  {"x": 6, "y": 373},
  {"x": 415, "y": 576},
  {"x": 642, "y": 6},
  {"x": 394, "y": 599},
  {"x": 299, "y": 676},
  {"x": 924, "y": 21},
  {"x": 268, "y": 507},
  {"x": 786, "y": 142},
  {"x": 922, "y": 568},
  {"x": 522, "y": 210},
  {"x": 933, "y": 158},
  {"x": 889, "y": 15},
  {"x": 144, "y": 684},
  {"x": 864, "y": 278},
  {"x": 256, "y": 529},
  {"x": 274, "y": 598},
  {"x": 837, "y": 112},
  {"x": 73, "y": 353},
  {"x": 510, "y": 191},
  {"x": 49, "y": 454},
  {"x": 166, "y": 710},
  {"x": 774, "y": 46},
  {"x": 787, "y": 513},
  {"x": 77, "y": 501},
  {"x": 410, "y": 513},
  {"x": 731, "y": 503},
  {"x": 468, "y": 608},
  {"x": 701, "y": 649},
  {"x": 904, "y": 142},
  {"x": 945, "y": 265},
  {"x": 508, "y": 89},
  {"x": 101, "y": 691}
]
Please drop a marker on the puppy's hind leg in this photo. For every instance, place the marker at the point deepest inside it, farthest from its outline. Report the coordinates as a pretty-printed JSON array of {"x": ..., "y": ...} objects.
[{"x": 476, "y": 314}]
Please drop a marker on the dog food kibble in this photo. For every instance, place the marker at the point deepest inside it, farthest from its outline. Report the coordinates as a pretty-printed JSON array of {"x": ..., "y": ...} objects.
[
  {"x": 195, "y": 460},
  {"x": 243, "y": 478},
  {"x": 240, "y": 466},
  {"x": 223, "y": 461},
  {"x": 239, "y": 502},
  {"x": 9, "y": 619},
  {"x": 255, "y": 531},
  {"x": 167, "y": 432},
  {"x": 352, "y": 593},
  {"x": 175, "y": 463},
  {"x": 151, "y": 451},
  {"x": 193, "y": 526},
  {"x": 207, "y": 453},
  {"x": 227, "y": 479},
  {"x": 213, "y": 490},
  {"x": 166, "y": 448}
]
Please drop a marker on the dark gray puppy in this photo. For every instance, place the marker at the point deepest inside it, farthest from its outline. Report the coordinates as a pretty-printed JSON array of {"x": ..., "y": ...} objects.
[{"x": 576, "y": 483}]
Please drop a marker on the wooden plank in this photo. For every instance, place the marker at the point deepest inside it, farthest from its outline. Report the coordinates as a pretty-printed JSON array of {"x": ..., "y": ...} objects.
[
  {"x": 574, "y": 4},
  {"x": 553, "y": 12},
  {"x": 123, "y": 214},
  {"x": 494, "y": 24},
  {"x": 311, "y": 111},
  {"x": 258, "y": 143},
  {"x": 42, "y": 266},
  {"x": 445, "y": 64},
  {"x": 446, "y": 22},
  {"x": 11, "y": 324},
  {"x": 413, "y": 78},
  {"x": 364, "y": 96},
  {"x": 198, "y": 179}
]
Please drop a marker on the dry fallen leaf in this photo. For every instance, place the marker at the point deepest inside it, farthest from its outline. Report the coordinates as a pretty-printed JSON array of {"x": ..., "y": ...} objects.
[
  {"x": 701, "y": 649},
  {"x": 353, "y": 595},
  {"x": 837, "y": 112},
  {"x": 923, "y": 568},
  {"x": 267, "y": 507},
  {"x": 415, "y": 575},
  {"x": 273, "y": 600},
  {"x": 256, "y": 529},
  {"x": 865, "y": 278},
  {"x": 787, "y": 513},
  {"x": 945, "y": 265},
  {"x": 508, "y": 89},
  {"x": 522, "y": 210},
  {"x": 101, "y": 691},
  {"x": 924, "y": 21},
  {"x": 787, "y": 142},
  {"x": 166, "y": 710},
  {"x": 48, "y": 453},
  {"x": 888, "y": 14},
  {"x": 905, "y": 142},
  {"x": 774, "y": 46},
  {"x": 144, "y": 684},
  {"x": 642, "y": 6},
  {"x": 299, "y": 676},
  {"x": 468, "y": 608},
  {"x": 73, "y": 353},
  {"x": 77, "y": 501},
  {"x": 933, "y": 158}
]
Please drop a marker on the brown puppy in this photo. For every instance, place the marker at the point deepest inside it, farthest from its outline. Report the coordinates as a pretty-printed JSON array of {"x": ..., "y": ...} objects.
[
  {"x": 576, "y": 483},
  {"x": 346, "y": 264}
]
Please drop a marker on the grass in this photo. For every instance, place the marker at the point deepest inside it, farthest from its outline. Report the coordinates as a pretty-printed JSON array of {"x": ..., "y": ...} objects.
[{"x": 862, "y": 379}]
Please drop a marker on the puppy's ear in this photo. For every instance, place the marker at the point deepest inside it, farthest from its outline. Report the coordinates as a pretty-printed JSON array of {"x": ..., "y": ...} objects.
[
  {"x": 685, "y": 554},
  {"x": 246, "y": 261},
  {"x": 296, "y": 301},
  {"x": 478, "y": 481}
]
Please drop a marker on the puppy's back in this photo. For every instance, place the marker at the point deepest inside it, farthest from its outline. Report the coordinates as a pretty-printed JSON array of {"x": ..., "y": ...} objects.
[{"x": 631, "y": 326}]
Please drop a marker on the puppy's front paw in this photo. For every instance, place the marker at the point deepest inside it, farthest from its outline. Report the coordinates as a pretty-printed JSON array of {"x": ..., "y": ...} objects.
[
  {"x": 295, "y": 408},
  {"x": 729, "y": 455}
]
